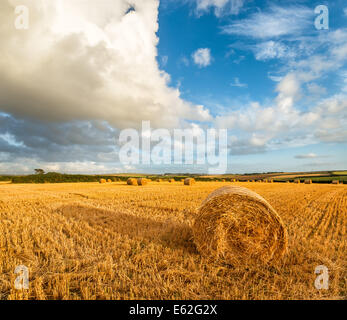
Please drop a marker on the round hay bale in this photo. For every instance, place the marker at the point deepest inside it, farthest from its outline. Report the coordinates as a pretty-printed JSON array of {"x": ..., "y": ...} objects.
[
  {"x": 109, "y": 180},
  {"x": 297, "y": 181},
  {"x": 189, "y": 181},
  {"x": 142, "y": 181},
  {"x": 132, "y": 182},
  {"x": 308, "y": 181},
  {"x": 235, "y": 225},
  {"x": 102, "y": 181},
  {"x": 172, "y": 180},
  {"x": 336, "y": 182},
  {"x": 159, "y": 180}
]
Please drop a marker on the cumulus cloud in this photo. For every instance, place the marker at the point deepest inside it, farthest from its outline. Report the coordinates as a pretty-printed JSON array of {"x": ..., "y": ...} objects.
[
  {"x": 82, "y": 61},
  {"x": 202, "y": 57}
]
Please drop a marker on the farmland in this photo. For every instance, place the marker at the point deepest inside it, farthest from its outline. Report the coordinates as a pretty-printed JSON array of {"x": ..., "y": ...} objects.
[{"x": 113, "y": 241}]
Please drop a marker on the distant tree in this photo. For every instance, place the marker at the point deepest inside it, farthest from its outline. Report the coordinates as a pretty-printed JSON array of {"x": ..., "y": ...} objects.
[{"x": 39, "y": 171}]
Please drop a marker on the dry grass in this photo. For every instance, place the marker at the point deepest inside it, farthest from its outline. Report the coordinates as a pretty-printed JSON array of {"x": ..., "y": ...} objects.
[
  {"x": 91, "y": 241},
  {"x": 237, "y": 226},
  {"x": 132, "y": 182},
  {"x": 189, "y": 181},
  {"x": 142, "y": 181}
]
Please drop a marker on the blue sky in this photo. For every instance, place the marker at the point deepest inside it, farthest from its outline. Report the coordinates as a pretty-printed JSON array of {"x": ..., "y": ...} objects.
[
  {"x": 81, "y": 73},
  {"x": 240, "y": 73}
]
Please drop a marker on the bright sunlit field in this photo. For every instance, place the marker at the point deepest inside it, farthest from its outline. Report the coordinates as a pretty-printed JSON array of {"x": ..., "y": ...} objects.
[{"x": 114, "y": 241}]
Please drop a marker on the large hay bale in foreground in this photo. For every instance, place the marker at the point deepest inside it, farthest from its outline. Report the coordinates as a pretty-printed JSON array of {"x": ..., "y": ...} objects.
[
  {"x": 142, "y": 181},
  {"x": 189, "y": 181},
  {"x": 308, "y": 181},
  {"x": 237, "y": 226},
  {"x": 132, "y": 182},
  {"x": 102, "y": 181}
]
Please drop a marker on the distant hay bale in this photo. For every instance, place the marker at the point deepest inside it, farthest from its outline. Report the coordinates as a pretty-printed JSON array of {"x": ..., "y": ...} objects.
[
  {"x": 172, "y": 180},
  {"x": 335, "y": 182},
  {"x": 287, "y": 181},
  {"x": 297, "y": 181},
  {"x": 109, "y": 180},
  {"x": 142, "y": 181},
  {"x": 159, "y": 180},
  {"x": 189, "y": 181},
  {"x": 132, "y": 182},
  {"x": 235, "y": 225},
  {"x": 102, "y": 181},
  {"x": 308, "y": 181},
  {"x": 265, "y": 180}
]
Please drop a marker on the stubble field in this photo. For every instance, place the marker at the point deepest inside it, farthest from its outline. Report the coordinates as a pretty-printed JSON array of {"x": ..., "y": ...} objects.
[{"x": 113, "y": 241}]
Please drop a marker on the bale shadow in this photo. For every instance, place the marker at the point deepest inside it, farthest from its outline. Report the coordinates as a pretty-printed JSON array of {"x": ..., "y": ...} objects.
[{"x": 169, "y": 233}]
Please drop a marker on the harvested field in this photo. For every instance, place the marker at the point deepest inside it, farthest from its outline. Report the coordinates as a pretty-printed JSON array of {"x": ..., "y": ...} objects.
[{"x": 112, "y": 241}]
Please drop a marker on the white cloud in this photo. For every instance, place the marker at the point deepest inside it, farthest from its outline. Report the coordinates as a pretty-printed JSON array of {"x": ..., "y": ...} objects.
[
  {"x": 202, "y": 57},
  {"x": 221, "y": 7},
  {"x": 87, "y": 61},
  {"x": 275, "y": 22},
  {"x": 306, "y": 156},
  {"x": 345, "y": 11},
  {"x": 237, "y": 83},
  {"x": 272, "y": 50}
]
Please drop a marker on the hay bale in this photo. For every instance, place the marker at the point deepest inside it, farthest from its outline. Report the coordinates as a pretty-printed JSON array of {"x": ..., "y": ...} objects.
[
  {"x": 265, "y": 180},
  {"x": 102, "y": 181},
  {"x": 109, "y": 180},
  {"x": 132, "y": 182},
  {"x": 297, "y": 181},
  {"x": 336, "y": 182},
  {"x": 237, "y": 226},
  {"x": 189, "y": 181},
  {"x": 172, "y": 180},
  {"x": 142, "y": 181},
  {"x": 308, "y": 181},
  {"x": 159, "y": 180}
]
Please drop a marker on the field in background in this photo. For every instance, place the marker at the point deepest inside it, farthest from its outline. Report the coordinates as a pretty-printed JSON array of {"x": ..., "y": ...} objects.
[{"x": 113, "y": 241}]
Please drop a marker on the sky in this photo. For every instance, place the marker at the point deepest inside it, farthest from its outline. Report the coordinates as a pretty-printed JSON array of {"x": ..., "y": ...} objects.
[{"x": 82, "y": 72}]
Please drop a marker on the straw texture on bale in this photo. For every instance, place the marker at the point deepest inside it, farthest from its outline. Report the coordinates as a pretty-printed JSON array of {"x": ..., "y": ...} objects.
[
  {"x": 102, "y": 181},
  {"x": 189, "y": 181},
  {"x": 308, "y": 181},
  {"x": 142, "y": 181},
  {"x": 237, "y": 226},
  {"x": 132, "y": 182}
]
